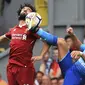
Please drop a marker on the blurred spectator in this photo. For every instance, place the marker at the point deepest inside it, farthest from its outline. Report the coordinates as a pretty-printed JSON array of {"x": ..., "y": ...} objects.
[
  {"x": 46, "y": 63},
  {"x": 55, "y": 70},
  {"x": 2, "y": 82},
  {"x": 46, "y": 80},
  {"x": 60, "y": 81},
  {"x": 69, "y": 41},
  {"x": 4, "y": 53},
  {"x": 2, "y": 50},
  {"x": 39, "y": 76},
  {"x": 55, "y": 53},
  {"x": 36, "y": 82},
  {"x": 54, "y": 81},
  {"x": 84, "y": 40}
]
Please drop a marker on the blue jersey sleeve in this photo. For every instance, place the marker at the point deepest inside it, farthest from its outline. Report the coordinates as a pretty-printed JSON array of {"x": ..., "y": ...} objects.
[
  {"x": 49, "y": 38},
  {"x": 82, "y": 47}
]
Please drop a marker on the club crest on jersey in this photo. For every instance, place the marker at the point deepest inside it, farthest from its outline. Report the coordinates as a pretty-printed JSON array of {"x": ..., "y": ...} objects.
[{"x": 24, "y": 37}]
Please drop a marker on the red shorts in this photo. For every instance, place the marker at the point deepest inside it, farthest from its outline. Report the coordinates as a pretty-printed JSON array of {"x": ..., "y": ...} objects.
[{"x": 18, "y": 75}]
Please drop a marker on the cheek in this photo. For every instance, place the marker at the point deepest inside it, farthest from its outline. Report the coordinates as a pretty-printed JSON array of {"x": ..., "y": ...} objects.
[
  {"x": 21, "y": 12},
  {"x": 69, "y": 43},
  {"x": 28, "y": 12}
]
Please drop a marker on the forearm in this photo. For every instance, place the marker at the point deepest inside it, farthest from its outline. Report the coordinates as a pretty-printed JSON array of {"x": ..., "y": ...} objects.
[
  {"x": 76, "y": 41},
  {"x": 44, "y": 49},
  {"x": 3, "y": 39},
  {"x": 42, "y": 68},
  {"x": 48, "y": 37}
]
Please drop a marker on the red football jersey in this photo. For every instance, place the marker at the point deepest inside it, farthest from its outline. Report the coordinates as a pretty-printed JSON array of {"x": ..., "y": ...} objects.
[{"x": 21, "y": 45}]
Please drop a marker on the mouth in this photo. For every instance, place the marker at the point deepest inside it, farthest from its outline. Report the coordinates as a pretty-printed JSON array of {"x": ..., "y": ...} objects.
[
  {"x": 22, "y": 16},
  {"x": 23, "y": 13}
]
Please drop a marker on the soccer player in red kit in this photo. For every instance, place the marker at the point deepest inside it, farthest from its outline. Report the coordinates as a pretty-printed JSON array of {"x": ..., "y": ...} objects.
[{"x": 20, "y": 69}]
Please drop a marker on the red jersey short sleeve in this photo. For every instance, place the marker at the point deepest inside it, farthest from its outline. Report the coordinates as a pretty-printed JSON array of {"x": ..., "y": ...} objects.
[
  {"x": 8, "y": 34},
  {"x": 37, "y": 36}
]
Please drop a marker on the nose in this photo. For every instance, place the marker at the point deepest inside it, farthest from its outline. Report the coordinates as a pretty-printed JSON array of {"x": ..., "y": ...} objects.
[{"x": 25, "y": 11}]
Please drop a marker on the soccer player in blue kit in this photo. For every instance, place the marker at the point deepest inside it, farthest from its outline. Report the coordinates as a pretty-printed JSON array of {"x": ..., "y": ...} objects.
[{"x": 73, "y": 72}]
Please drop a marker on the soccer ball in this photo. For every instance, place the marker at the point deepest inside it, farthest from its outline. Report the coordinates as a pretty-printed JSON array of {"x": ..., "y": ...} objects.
[{"x": 33, "y": 19}]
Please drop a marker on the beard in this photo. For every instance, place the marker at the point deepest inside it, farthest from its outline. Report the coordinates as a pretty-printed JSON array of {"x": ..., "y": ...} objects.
[{"x": 22, "y": 17}]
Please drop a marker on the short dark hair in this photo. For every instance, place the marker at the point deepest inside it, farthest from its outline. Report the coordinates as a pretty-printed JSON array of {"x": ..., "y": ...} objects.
[
  {"x": 54, "y": 78},
  {"x": 55, "y": 48},
  {"x": 40, "y": 72},
  {"x": 61, "y": 77},
  {"x": 26, "y": 5},
  {"x": 67, "y": 36}
]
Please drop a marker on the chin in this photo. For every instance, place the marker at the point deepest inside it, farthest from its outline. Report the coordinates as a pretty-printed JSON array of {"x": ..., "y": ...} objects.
[{"x": 22, "y": 17}]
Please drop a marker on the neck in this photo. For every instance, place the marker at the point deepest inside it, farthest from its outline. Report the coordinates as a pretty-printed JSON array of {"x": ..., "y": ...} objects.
[{"x": 21, "y": 22}]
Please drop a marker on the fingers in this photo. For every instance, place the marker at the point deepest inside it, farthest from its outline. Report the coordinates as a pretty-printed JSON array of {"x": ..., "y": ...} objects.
[
  {"x": 36, "y": 58},
  {"x": 33, "y": 59},
  {"x": 75, "y": 55}
]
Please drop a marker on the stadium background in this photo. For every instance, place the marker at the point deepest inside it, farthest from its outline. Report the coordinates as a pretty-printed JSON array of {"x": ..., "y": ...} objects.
[{"x": 56, "y": 14}]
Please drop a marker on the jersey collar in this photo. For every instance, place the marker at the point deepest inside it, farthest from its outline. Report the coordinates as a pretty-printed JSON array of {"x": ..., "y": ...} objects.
[{"x": 22, "y": 25}]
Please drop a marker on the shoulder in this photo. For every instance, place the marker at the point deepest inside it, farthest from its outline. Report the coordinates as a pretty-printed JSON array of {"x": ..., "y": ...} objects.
[
  {"x": 11, "y": 29},
  {"x": 34, "y": 35}
]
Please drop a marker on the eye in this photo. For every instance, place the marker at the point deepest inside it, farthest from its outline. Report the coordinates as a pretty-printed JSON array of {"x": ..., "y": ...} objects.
[{"x": 25, "y": 10}]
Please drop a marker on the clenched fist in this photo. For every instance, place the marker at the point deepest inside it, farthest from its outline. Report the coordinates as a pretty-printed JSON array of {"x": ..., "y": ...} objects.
[{"x": 70, "y": 30}]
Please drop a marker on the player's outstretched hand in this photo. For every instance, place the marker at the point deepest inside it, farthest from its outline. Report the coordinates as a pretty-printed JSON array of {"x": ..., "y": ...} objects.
[
  {"x": 76, "y": 55},
  {"x": 70, "y": 30},
  {"x": 36, "y": 58}
]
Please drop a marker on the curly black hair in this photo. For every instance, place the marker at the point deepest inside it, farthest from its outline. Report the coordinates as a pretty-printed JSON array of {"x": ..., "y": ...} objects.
[{"x": 26, "y": 5}]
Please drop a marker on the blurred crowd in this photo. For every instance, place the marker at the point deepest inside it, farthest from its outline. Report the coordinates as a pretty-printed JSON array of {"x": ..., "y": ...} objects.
[
  {"x": 2, "y": 82},
  {"x": 49, "y": 72}
]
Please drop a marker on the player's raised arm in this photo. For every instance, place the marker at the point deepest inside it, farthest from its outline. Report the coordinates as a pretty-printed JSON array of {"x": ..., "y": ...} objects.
[
  {"x": 45, "y": 48},
  {"x": 3, "y": 38},
  {"x": 76, "y": 41}
]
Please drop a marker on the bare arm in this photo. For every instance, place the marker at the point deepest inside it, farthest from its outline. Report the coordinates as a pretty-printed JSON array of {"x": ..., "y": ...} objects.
[
  {"x": 3, "y": 39},
  {"x": 76, "y": 41},
  {"x": 43, "y": 51},
  {"x": 42, "y": 68}
]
